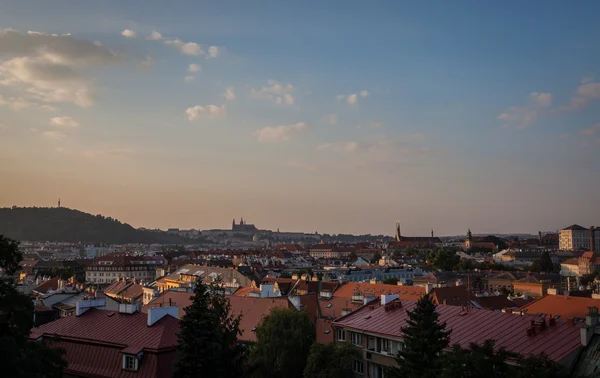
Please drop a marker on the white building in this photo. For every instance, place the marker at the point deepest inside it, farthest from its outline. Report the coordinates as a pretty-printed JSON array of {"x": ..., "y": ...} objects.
[{"x": 575, "y": 237}]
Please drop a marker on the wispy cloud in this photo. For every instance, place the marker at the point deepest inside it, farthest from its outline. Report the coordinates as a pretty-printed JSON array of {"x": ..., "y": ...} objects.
[
  {"x": 54, "y": 134},
  {"x": 189, "y": 79},
  {"x": 352, "y": 98},
  {"x": 523, "y": 116},
  {"x": 584, "y": 94},
  {"x": 187, "y": 48},
  {"x": 273, "y": 134},
  {"x": 67, "y": 122},
  {"x": 214, "y": 51},
  {"x": 194, "y": 67},
  {"x": 208, "y": 111},
  {"x": 154, "y": 36},
  {"x": 276, "y": 92},
  {"x": 20, "y": 103},
  {"x": 590, "y": 130},
  {"x": 229, "y": 94},
  {"x": 48, "y": 67},
  {"x": 128, "y": 33}
]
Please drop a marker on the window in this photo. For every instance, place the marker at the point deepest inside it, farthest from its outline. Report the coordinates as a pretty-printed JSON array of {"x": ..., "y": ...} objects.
[
  {"x": 384, "y": 345},
  {"x": 129, "y": 362},
  {"x": 356, "y": 338},
  {"x": 358, "y": 367},
  {"x": 340, "y": 334}
]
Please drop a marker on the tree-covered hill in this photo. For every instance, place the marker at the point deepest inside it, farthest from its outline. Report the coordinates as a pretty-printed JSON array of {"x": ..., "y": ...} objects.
[{"x": 68, "y": 225}]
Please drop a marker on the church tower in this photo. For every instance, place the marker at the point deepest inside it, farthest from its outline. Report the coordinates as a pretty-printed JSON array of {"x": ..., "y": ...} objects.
[
  {"x": 398, "y": 234},
  {"x": 432, "y": 233},
  {"x": 59, "y": 203},
  {"x": 233, "y": 224}
]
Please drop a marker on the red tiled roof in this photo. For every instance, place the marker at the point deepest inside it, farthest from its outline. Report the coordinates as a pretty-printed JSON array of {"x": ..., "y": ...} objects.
[
  {"x": 509, "y": 331},
  {"x": 290, "y": 247},
  {"x": 127, "y": 289},
  {"x": 252, "y": 309},
  {"x": 332, "y": 308},
  {"x": 95, "y": 341},
  {"x": 322, "y": 326},
  {"x": 565, "y": 307},
  {"x": 349, "y": 289},
  {"x": 570, "y": 262},
  {"x": 105, "y": 361},
  {"x": 112, "y": 327},
  {"x": 310, "y": 304},
  {"x": 51, "y": 284}
]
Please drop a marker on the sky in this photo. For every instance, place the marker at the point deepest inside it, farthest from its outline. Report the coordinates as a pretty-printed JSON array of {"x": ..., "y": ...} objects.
[{"x": 329, "y": 116}]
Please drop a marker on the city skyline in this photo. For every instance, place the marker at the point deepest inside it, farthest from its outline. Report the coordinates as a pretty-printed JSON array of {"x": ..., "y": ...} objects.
[{"x": 304, "y": 117}]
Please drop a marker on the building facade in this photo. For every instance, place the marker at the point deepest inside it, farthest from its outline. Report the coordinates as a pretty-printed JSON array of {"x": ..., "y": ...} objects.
[
  {"x": 575, "y": 237},
  {"x": 114, "y": 266}
]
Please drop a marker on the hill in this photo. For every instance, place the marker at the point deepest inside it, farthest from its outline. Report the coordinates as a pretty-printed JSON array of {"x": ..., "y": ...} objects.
[{"x": 68, "y": 225}]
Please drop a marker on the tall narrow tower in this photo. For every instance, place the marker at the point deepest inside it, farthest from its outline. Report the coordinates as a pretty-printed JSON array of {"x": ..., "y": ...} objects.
[
  {"x": 59, "y": 203},
  {"x": 398, "y": 234},
  {"x": 432, "y": 233}
]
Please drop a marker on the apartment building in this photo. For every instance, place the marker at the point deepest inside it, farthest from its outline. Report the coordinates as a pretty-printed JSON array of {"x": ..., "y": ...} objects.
[
  {"x": 374, "y": 329},
  {"x": 231, "y": 279},
  {"x": 117, "y": 265},
  {"x": 575, "y": 238}
]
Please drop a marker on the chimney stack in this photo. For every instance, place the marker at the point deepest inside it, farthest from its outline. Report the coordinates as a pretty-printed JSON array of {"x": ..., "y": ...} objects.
[{"x": 592, "y": 239}]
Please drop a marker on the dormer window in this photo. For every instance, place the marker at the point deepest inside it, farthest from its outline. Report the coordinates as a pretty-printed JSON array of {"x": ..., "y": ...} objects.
[{"x": 130, "y": 362}]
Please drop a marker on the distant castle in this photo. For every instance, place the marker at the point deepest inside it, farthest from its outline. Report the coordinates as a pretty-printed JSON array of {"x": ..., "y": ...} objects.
[{"x": 243, "y": 226}]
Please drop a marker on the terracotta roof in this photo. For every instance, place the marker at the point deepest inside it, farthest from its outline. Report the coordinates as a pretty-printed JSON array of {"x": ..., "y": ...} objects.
[
  {"x": 114, "y": 328},
  {"x": 181, "y": 299},
  {"x": 570, "y": 262},
  {"x": 94, "y": 343},
  {"x": 245, "y": 291},
  {"x": 290, "y": 247},
  {"x": 127, "y": 289},
  {"x": 349, "y": 289},
  {"x": 450, "y": 295},
  {"x": 588, "y": 255},
  {"x": 252, "y": 309},
  {"x": 51, "y": 284},
  {"x": 104, "y": 361},
  {"x": 509, "y": 331},
  {"x": 313, "y": 286},
  {"x": 495, "y": 302},
  {"x": 310, "y": 304},
  {"x": 332, "y": 308},
  {"x": 324, "y": 331},
  {"x": 565, "y": 307}
]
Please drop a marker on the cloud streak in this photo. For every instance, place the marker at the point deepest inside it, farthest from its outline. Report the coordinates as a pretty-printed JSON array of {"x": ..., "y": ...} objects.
[
  {"x": 284, "y": 133},
  {"x": 523, "y": 116},
  {"x": 207, "y": 111},
  {"x": 275, "y": 92}
]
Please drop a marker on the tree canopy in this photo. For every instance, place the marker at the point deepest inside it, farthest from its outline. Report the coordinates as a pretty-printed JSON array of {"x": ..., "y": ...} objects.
[
  {"x": 333, "y": 360},
  {"x": 20, "y": 357},
  {"x": 284, "y": 338},
  {"x": 208, "y": 336},
  {"x": 424, "y": 340}
]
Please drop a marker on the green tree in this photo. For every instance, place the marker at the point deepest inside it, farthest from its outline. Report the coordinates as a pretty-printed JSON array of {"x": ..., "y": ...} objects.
[
  {"x": 20, "y": 357},
  {"x": 283, "y": 341},
  {"x": 390, "y": 281},
  {"x": 333, "y": 360},
  {"x": 424, "y": 340},
  {"x": 539, "y": 366},
  {"x": 208, "y": 336},
  {"x": 477, "y": 361},
  {"x": 546, "y": 263},
  {"x": 375, "y": 258}
]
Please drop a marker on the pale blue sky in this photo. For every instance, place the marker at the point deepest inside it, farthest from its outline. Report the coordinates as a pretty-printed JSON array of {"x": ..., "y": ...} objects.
[{"x": 340, "y": 116}]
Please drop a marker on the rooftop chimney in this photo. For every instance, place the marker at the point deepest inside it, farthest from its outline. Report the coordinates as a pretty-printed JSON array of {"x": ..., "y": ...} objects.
[
  {"x": 84, "y": 305},
  {"x": 157, "y": 313},
  {"x": 592, "y": 240}
]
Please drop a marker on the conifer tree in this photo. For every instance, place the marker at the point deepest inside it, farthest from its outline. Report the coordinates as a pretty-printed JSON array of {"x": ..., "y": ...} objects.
[
  {"x": 424, "y": 340},
  {"x": 20, "y": 357},
  {"x": 208, "y": 336}
]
